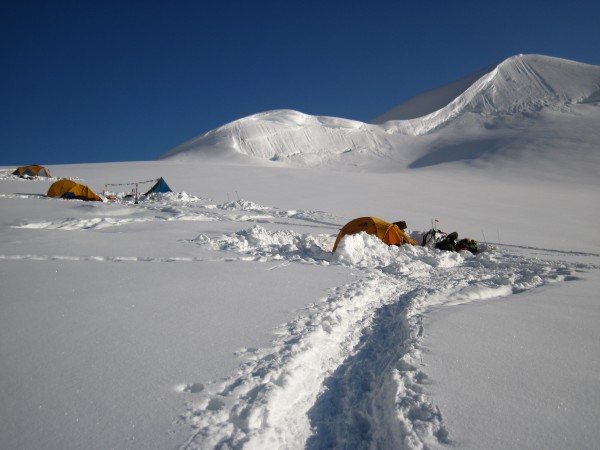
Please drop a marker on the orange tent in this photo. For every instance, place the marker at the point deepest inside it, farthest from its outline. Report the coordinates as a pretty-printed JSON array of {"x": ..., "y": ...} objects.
[
  {"x": 70, "y": 189},
  {"x": 32, "y": 171},
  {"x": 389, "y": 233}
]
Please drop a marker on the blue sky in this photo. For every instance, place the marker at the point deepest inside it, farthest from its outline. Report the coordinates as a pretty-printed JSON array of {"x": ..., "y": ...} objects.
[{"x": 121, "y": 80}]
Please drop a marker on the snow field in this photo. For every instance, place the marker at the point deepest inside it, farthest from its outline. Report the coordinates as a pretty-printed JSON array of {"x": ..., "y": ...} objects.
[{"x": 348, "y": 372}]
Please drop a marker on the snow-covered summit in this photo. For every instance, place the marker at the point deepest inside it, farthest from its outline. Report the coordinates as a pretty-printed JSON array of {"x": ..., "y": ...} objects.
[
  {"x": 532, "y": 82},
  {"x": 281, "y": 135},
  {"x": 523, "y": 86},
  {"x": 522, "y": 83}
]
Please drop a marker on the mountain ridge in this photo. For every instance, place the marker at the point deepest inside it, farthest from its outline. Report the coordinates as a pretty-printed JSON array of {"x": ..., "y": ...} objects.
[
  {"x": 502, "y": 97},
  {"x": 497, "y": 77}
]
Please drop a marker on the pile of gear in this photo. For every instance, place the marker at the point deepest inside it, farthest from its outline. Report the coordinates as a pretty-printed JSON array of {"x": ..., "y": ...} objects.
[
  {"x": 395, "y": 234},
  {"x": 443, "y": 241}
]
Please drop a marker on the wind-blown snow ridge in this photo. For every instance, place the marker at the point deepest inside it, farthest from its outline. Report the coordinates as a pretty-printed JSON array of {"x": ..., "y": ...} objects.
[
  {"x": 348, "y": 373},
  {"x": 523, "y": 84}
]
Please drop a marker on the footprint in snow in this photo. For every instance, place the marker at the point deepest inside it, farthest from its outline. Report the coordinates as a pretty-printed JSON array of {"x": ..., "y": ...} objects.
[{"x": 193, "y": 388}]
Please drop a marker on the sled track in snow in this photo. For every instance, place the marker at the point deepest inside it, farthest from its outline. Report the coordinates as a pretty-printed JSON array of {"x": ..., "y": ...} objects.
[
  {"x": 348, "y": 373},
  {"x": 551, "y": 251}
]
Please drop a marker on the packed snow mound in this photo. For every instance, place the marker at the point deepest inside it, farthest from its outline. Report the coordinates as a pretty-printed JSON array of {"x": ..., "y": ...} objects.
[{"x": 520, "y": 90}]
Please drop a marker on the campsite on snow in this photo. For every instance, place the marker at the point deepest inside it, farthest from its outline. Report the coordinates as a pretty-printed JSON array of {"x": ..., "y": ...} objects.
[{"x": 196, "y": 301}]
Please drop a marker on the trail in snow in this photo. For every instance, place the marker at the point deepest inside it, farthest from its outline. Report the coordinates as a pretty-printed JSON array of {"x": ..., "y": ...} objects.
[
  {"x": 176, "y": 207},
  {"x": 347, "y": 374}
]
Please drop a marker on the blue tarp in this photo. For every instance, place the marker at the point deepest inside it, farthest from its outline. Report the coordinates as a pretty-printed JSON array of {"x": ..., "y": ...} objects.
[{"x": 161, "y": 186}]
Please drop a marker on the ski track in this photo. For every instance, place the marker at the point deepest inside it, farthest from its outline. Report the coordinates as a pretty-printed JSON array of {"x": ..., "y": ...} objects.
[{"x": 347, "y": 373}]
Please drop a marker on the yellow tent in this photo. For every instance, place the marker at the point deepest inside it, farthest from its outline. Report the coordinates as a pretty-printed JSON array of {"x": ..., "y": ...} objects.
[
  {"x": 70, "y": 189},
  {"x": 389, "y": 233},
  {"x": 32, "y": 171}
]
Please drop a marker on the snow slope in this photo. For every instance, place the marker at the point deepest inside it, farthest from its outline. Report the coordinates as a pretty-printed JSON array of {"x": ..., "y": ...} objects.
[
  {"x": 186, "y": 322},
  {"x": 492, "y": 110},
  {"x": 430, "y": 101},
  {"x": 523, "y": 83},
  {"x": 217, "y": 316},
  {"x": 291, "y": 137}
]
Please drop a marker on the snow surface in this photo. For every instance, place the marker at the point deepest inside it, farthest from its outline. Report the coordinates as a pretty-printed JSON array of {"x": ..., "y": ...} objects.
[{"x": 217, "y": 316}]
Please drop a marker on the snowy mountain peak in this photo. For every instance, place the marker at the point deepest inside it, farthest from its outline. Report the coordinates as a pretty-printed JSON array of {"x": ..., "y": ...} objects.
[
  {"x": 279, "y": 135},
  {"x": 532, "y": 82},
  {"x": 522, "y": 84}
]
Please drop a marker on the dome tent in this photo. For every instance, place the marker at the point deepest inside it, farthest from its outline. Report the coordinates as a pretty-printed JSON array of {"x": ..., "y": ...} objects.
[
  {"x": 32, "y": 171},
  {"x": 69, "y": 189},
  {"x": 389, "y": 233}
]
